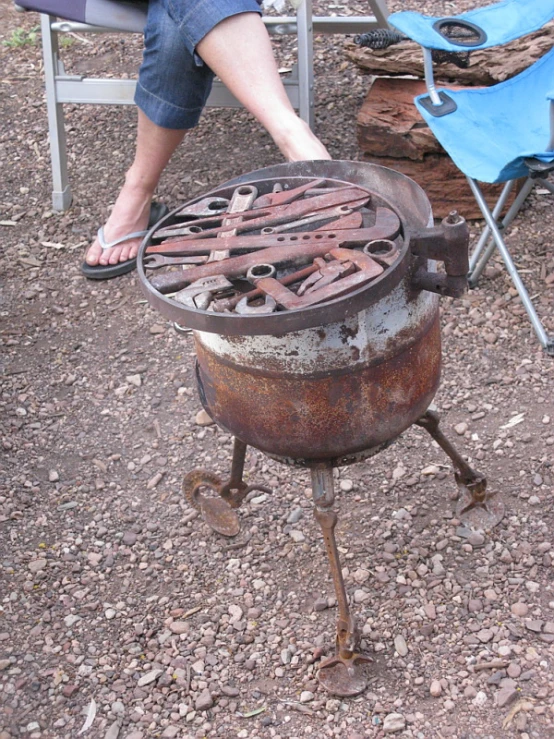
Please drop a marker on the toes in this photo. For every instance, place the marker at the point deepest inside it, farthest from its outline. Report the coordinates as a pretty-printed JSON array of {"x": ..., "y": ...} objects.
[{"x": 93, "y": 254}]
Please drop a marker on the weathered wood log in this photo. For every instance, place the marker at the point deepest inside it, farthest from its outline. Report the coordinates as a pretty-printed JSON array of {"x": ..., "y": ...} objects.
[
  {"x": 389, "y": 124},
  {"x": 487, "y": 66},
  {"x": 444, "y": 184},
  {"x": 392, "y": 133}
]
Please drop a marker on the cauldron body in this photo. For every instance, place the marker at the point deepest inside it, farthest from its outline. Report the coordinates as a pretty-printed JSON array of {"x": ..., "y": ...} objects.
[{"x": 341, "y": 391}]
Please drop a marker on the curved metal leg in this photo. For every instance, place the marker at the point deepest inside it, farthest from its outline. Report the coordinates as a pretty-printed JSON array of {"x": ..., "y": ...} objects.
[
  {"x": 477, "y": 507},
  {"x": 217, "y": 511},
  {"x": 341, "y": 674}
]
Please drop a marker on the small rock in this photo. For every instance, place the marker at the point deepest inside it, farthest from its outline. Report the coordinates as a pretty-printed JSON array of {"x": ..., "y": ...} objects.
[
  {"x": 534, "y": 625},
  {"x": 520, "y": 609},
  {"x": 37, "y": 565},
  {"x": 53, "y": 476},
  {"x": 295, "y": 515},
  {"x": 204, "y": 701},
  {"x": 306, "y": 696},
  {"x": 346, "y": 485},
  {"x": 485, "y": 635},
  {"x": 129, "y": 538},
  {"x": 514, "y": 670},
  {"x": 135, "y": 380},
  {"x": 179, "y": 627},
  {"x": 534, "y": 500},
  {"x": 203, "y": 419},
  {"x": 461, "y": 428},
  {"x": 149, "y": 677},
  {"x": 480, "y": 699},
  {"x": 435, "y": 688},
  {"x": 476, "y": 539},
  {"x": 430, "y": 611},
  {"x": 394, "y": 722},
  {"x": 400, "y": 645},
  {"x": 297, "y": 536},
  {"x": 71, "y": 619},
  {"x": 505, "y": 696},
  {"x": 156, "y": 328}
]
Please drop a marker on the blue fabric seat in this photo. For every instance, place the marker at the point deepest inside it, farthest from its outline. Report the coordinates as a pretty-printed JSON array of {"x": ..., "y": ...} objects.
[{"x": 494, "y": 134}]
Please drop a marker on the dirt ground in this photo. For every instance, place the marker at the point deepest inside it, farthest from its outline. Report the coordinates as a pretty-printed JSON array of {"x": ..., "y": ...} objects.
[{"x": 118, "y": 604}]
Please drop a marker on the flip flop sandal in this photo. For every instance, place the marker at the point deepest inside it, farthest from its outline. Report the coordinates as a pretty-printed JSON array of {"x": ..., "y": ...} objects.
[{"x": 107, "y": 271}]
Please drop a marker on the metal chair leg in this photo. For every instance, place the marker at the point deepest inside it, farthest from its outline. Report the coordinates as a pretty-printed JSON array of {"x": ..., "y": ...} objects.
[
  {"x": 61, "y": 193},
  {"x": 546, "y": 342}
]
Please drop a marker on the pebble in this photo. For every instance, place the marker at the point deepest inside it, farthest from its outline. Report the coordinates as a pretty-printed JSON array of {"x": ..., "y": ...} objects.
[
  {"x": 204, "y": 701},
  {"x": 53, "y": 476},
  {"x": 306, "y": 696},
  {"x": 393, "y": 723},
  {"x": 203, "y": 419},
  {"x": 129, "y": 538},
  {"x": 179, "y": 627},
  {"x": 461, "y": 428},
  {"x": 295, "y": 515},
  {"x": 37, "y": 565},
  {"x": 400, "y": 645},
  {"x": 297, "y": 536},
  {"x": 435, "y": 688},
  {"x": 520, "y": 609},
  {"x": 346, "y": 485},
  {"x": 505, "y": 696},
  {"x": 149, "y": 677}
]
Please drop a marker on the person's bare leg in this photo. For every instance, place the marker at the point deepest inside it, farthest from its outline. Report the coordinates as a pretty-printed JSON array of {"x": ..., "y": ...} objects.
[
  {"x": 238, "y": 50},
  {"x": 154, "y": 147}
]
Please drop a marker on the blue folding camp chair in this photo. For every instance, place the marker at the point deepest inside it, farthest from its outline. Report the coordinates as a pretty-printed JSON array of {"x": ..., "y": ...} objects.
[{"x": 495, "y": 134}]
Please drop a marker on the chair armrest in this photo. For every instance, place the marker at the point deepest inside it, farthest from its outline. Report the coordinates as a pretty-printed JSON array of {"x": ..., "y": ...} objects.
[{"x": 498, "y": 24}]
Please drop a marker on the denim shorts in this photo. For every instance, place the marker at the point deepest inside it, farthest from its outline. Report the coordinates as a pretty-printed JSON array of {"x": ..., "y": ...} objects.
[{"x": 174, "y": 83}]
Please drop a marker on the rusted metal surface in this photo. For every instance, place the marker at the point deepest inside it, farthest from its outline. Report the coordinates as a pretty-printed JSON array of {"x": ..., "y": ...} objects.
[
  {"x": 218, "y": 509},
  {"x": 341, "y": 674},
  {"x": 328, "y": 414},
  {"x": 478, "y": 508},
  {"x": 325, "y": 384}
]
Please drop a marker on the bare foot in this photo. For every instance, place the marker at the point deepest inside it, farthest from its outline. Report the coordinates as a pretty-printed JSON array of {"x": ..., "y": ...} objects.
[{"x": 129, "y": 215}]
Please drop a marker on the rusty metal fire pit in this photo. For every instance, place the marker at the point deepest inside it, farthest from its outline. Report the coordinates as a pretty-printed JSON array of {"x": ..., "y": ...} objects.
[{"x": 312, "y": 291}]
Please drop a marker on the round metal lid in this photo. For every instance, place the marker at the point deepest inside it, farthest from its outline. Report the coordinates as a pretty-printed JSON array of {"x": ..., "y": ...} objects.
[{"x": 317, "y": 249}]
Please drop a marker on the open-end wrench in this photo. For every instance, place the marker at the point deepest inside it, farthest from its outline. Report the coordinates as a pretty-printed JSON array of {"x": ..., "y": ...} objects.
[
  {"x": 241, "y": 200},
  {"x": 155, "y": 261},
  {"x": 202, "y": 209},
  {"x": 322, "y": 215},
  {"x": 286, "y": 196}
]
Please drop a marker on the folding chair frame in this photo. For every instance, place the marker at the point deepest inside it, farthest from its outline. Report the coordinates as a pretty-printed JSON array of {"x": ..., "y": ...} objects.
[
  {"x": 492, "y": 239},
  {"x": 63, "y": 88},
  {"x": 439, "y": 103}
]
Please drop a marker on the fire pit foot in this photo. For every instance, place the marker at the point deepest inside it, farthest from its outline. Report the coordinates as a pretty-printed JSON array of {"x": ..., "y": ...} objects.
[
  {"x": 343, "y": 677},
  {"x": 218, "y": 511},
  {"x": 479, "y": 509}
]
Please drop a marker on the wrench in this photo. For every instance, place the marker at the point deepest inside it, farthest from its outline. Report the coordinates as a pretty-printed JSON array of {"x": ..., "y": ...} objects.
[
  {"x": 340, "y": 210},
  {"x": 155, "y": 261},
  {"x": 203, "y": 208},
  {"x": 285, "y": 196},
  {"x": 202, "y": 290},
  {"x": 253, "y": 220},
  {"x": 268, "y": 306},
  {"x": 241, "y": 200}
]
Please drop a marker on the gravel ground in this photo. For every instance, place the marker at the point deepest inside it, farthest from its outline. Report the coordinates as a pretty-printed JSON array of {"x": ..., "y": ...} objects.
[{"x": 118, "y": 602}]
